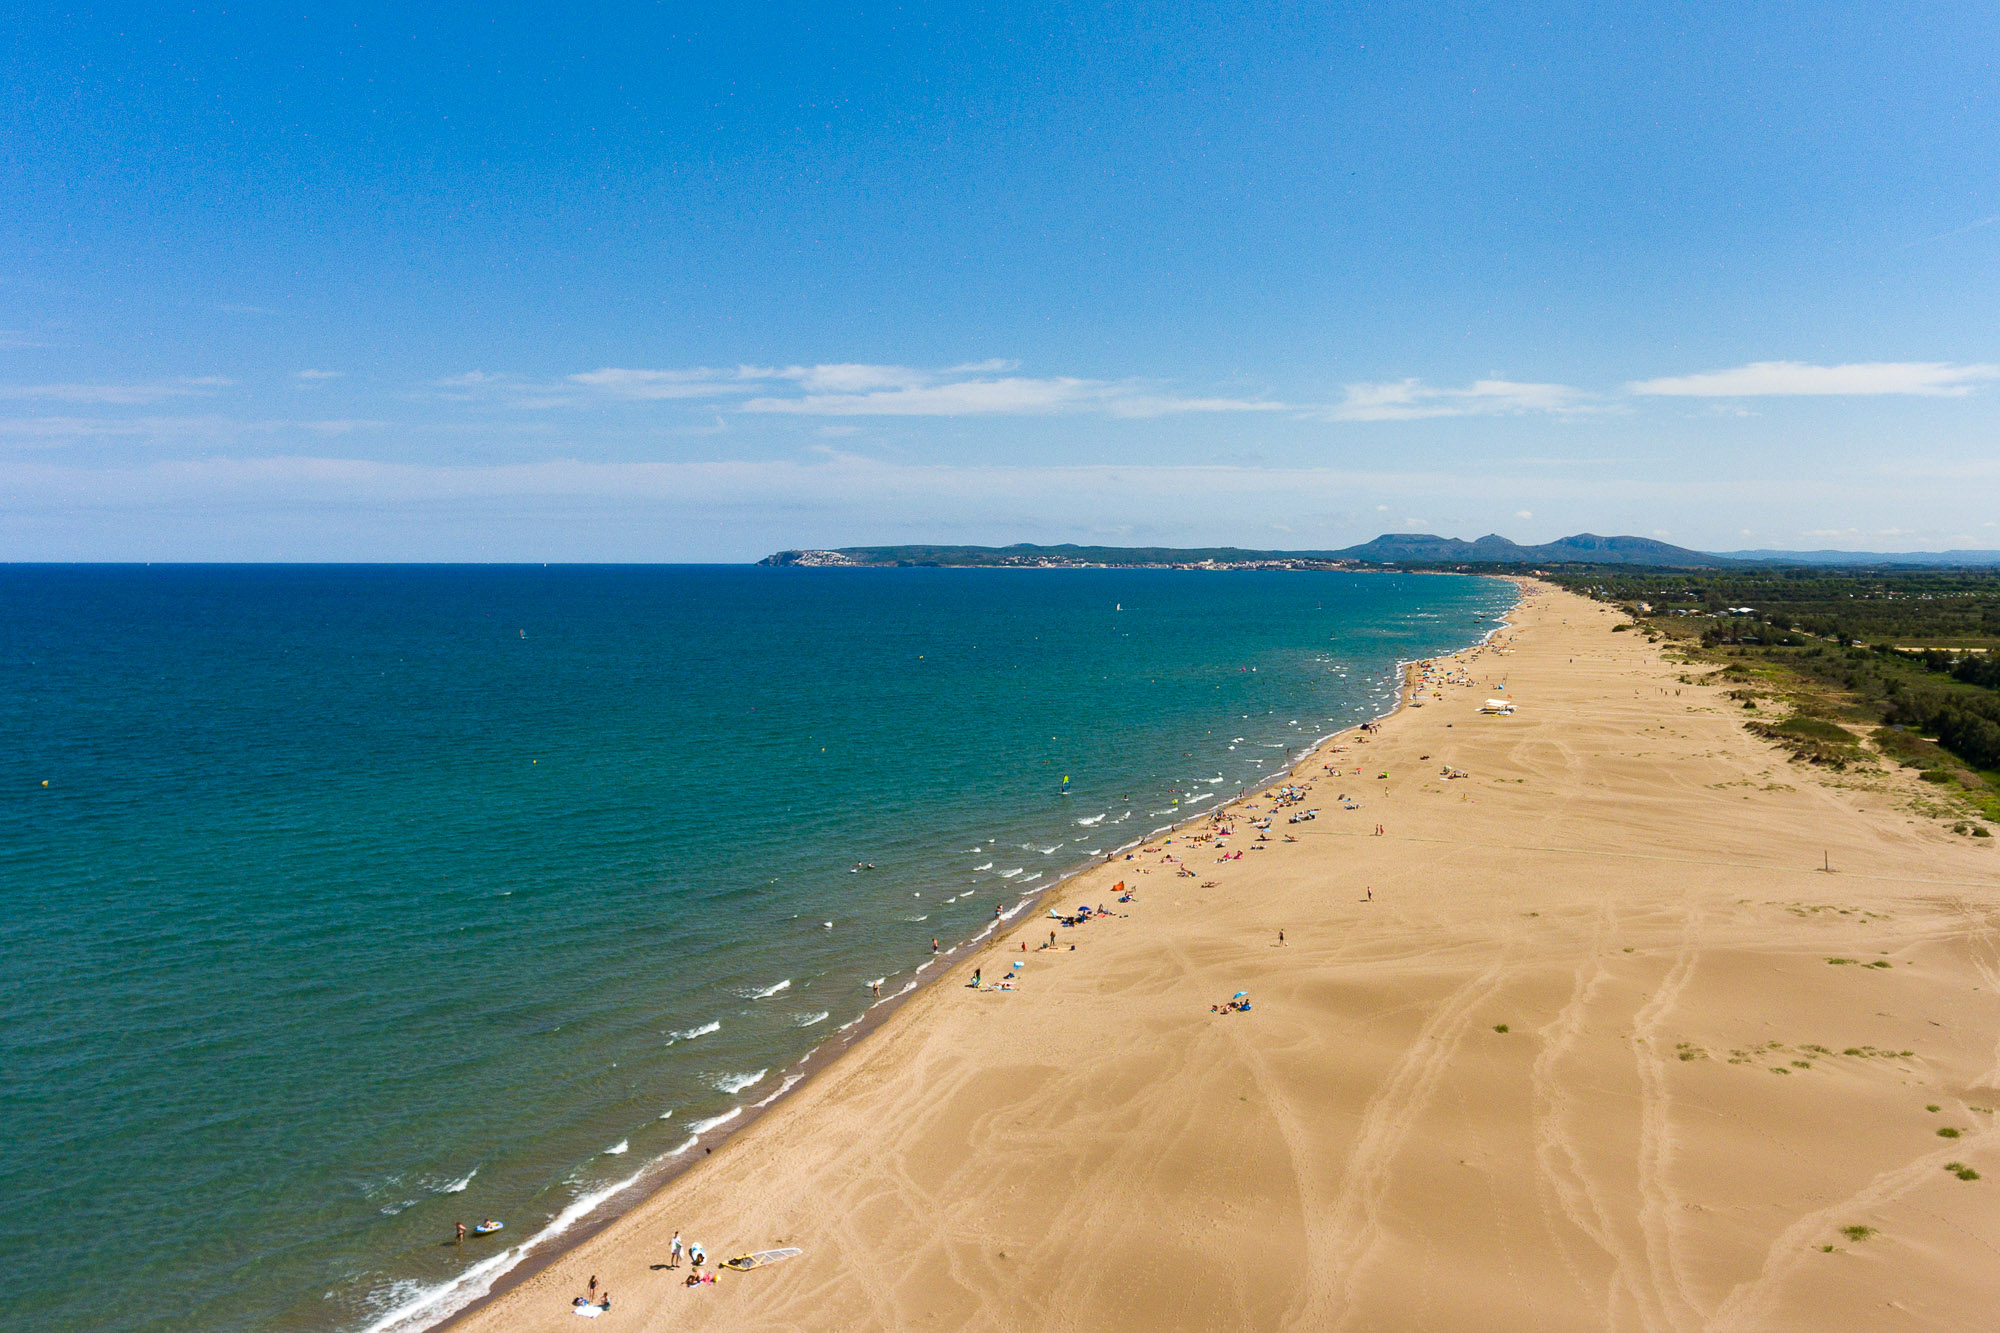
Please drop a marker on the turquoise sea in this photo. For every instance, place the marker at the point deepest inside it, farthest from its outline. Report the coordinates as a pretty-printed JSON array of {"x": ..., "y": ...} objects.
[{"x": 341, "y": 904}]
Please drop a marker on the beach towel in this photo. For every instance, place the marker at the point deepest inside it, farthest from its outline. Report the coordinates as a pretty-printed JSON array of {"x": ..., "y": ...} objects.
[{"x": 589, "y": 1311}]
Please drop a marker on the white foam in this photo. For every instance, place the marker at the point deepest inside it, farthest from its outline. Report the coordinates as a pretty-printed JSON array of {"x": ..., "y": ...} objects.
[
  {"x": 619, "y": 1149},
  {"x": 987, "y": 866},
  {"x": 692, "y": 1139},
  {"x": 426, "y": 1306},
  {"x": 810, "y": 1019},
  {"x": 703, "y": 1126},
  {"x": 458, "y": 1186},
  {"x": 1051, "y": 851},
  {"x": 769, "y": 991},
  {"x": 1094, "y": 819},
  {"x": 735, "y": 1083},
  {"x": 791, "y": 1081},
  {"x": 667, "y": 1114},
  {"x": 690, "y": 1034},
  {"x": 1009, "y": 874}
]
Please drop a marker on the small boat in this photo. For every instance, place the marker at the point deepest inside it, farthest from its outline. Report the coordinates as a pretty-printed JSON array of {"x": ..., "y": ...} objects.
[
  {"x": 487, "y": 1228},
  {"x": 743, "y": 1263}
]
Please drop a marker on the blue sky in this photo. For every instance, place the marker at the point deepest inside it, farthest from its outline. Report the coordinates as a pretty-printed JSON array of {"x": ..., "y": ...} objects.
[{"x": 684, "y": 282}]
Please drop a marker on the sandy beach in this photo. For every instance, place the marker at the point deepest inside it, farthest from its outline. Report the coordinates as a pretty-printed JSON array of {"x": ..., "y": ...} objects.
[{"x": 1586, "y": 1038}]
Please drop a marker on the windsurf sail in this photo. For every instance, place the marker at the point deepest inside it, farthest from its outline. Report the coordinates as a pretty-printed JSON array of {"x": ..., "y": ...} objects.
[{"x": 743, "y": 1263}]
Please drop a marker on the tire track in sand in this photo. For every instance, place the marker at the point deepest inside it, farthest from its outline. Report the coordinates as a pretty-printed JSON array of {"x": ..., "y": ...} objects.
[
  {"x": 1659, "y": 1209},
  {"x": 1560, "y": 1173},
  {"x": 1356, "y": 1213}
]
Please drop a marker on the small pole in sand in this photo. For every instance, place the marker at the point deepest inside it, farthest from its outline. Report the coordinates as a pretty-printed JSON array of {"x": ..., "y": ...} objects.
[{"x": 1826, "y": 863}]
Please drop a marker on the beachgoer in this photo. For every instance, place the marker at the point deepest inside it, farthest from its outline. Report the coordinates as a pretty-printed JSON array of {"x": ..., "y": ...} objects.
[
  {"x": 674, "y": 1251},
  {"x": 593, "y": 1284},
  {"x": 1281, "y": 937},
  {"x": 461, "y": 1233},
  {"x": 975, "y": 978},
  {"x": 934, "y": 944},
  {"x": 605, "y": 1304},
  {"x": 875, "y": 986}
]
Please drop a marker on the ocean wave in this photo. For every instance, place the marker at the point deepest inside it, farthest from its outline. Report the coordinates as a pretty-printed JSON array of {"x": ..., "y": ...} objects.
[
  {"x": 1094, "y": 819},
  {"x": 417, "y": 1307},
  {"x": 1009, "y": 874},
  {"x": 791, "y": 1081},
  {"x": 703, "y": 1126},
  {"x": 768, "y": 991},
  {"x": 925, "y": 917},
  {"x": 987, "y": 866},
  {"x": 1050, "y": 851},
  {"x": 807, "y": 1020},
  {"x": 619, "y": 1149},
  {"x": 689, "y": 1034},
  {"x": 735, "y": 1083},
  {"x": 692, "y": 1139}
]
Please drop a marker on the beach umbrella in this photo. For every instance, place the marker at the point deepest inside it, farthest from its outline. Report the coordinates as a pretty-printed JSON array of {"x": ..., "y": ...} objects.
[{"x": 1241, "y": 995}]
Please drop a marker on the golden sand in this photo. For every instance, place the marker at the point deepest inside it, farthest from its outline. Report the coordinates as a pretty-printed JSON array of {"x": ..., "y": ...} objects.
[{"x": 1689, "y": 1102}]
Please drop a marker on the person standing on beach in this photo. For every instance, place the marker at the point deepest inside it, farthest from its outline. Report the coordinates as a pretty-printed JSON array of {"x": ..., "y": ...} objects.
[
  {"x": 1281, "y": 937},
  {"x": 593, "y": 1286},
  {"x": 674, "y": 1251},
  {"x": 461, "y": 1233},
  {"x": 975, "y": 978}
]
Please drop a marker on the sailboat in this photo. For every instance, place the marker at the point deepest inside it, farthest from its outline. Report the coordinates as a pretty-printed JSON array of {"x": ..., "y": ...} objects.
[{"x": 1065, "y": 786}]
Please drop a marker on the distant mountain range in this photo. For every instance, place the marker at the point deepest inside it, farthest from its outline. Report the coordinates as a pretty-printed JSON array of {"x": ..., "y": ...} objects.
[{"x": 1396, "y": 548}]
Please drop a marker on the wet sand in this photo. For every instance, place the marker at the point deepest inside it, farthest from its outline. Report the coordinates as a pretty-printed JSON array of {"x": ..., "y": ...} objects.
[{"x": 1688, "y": 1103}]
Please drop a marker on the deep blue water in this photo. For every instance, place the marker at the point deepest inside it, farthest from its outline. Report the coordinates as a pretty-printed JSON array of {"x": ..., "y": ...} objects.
[{"x": 364, "y": 900}]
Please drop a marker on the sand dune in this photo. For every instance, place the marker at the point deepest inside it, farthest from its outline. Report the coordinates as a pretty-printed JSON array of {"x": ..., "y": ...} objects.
[{"x": 1689, "y": 1103}]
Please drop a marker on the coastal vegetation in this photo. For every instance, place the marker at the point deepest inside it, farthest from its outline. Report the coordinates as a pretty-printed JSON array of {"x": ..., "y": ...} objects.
[{"x": 1843, "y": 667}]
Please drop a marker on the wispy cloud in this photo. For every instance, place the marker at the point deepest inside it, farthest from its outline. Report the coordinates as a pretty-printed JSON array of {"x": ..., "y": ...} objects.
[
  {"x": 55, "y": 431},
  {"x": 1929, "y": 379},
  {"x": 134, "y": 394},
  {"x": 1413, "y": 400},
  {"x": 1955, "y": 231},
  {"x": 644, "y": 385},
  {"x": 979, "y": 389},
  {"x": 318, "y": 374}
]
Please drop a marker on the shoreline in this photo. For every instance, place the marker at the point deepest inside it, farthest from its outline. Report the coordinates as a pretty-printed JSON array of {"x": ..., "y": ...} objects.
[
  {"x": 657, "y": 1177},
  {"x": 1625, "y": 879}
]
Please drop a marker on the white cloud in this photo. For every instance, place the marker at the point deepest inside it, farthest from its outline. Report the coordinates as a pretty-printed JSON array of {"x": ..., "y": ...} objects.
[
  {"x": 848, "y": 377},
  {"x": 1413, "y": 400},
  {"x": 151, "y": 391},
  {"x": 52, "y": 432},
  {"x": 318, "y": 374},
  {"x": 861, "y": 390},
  {"x": 651, "y": 385},
  {"x": 1523, "y": 513},
  {"x": 1932, "y": 379}
]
